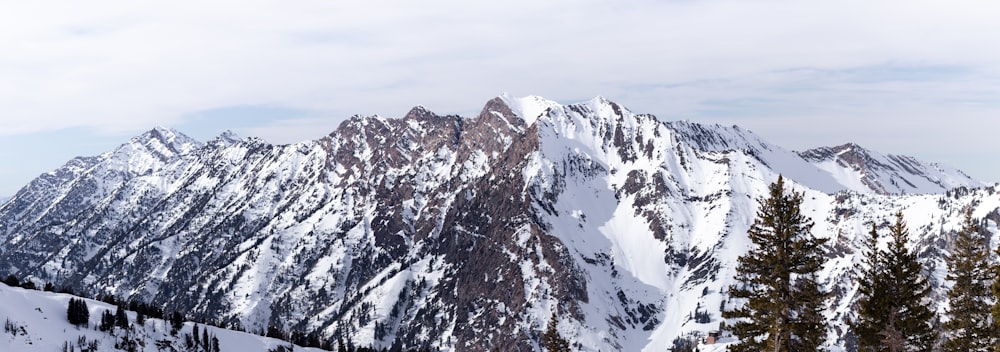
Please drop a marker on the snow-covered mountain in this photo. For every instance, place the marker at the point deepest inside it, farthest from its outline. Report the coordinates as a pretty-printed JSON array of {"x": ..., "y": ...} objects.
[
  {"x": 864, "y": 170},
  {"x": 452, "y": 233},
  {"x": 36, "y": 321}
]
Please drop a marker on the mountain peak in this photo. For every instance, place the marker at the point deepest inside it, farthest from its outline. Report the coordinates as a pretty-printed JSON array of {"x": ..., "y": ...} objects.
[
  {"x": 230, "y": 135},
  {"x": 226, "y": 138},
  {"x": 163, "y": 129},
  {"x": 865, "y": 170},
  {"x": 528, "y": 108},
  {"x": 167, "y": 137},
  {"x": 419, "y": 112},
  {"x": 160, "y": 143},
  {"x": 850, "y": 147},
  {"x": 622, "y": 224}
]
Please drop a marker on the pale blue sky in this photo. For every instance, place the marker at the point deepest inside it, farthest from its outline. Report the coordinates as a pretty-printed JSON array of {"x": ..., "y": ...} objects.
[{"x": 910, "y": 77}]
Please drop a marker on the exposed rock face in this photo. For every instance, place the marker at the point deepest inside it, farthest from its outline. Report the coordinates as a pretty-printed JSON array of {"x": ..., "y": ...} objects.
[{"x": 449, "y": 232}]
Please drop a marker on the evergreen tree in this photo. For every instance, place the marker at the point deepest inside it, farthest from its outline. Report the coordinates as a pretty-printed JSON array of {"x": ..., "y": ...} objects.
[
  {"x": 776, "y": 280},
  {"x": 969, "y": 328},
  {"x": 107, "y": 321},
  {"x": 12, "y": 281},
  {"x": 995, "y": 310},
  {"x": 83, "y": 312},
  {"x": 872, "y": 306},
  {"x": 553, "y": 341},
  {"x": 204, "y": 339},
  {"x": 71, "y": 312},
  {"x": 176, "y": 322},
  {"x": 276, "y": 333},
  {"x": 66, "y": 290},
  {"x": 893, "y": 311},
  {"x": 121, "y": 320},
  {"x": 78, "y": 313},
  {"x": 194, "y": 332},
  {"x": 909, "y": 326},
  {"x": 809, "y": 326}
]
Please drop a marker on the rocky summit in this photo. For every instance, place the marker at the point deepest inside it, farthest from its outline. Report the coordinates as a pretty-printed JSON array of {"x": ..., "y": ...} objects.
[{"x": 467, "y": 233}]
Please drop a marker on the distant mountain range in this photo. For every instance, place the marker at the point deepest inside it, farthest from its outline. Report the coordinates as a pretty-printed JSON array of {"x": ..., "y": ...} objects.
[{"x": 465, "y": 233}]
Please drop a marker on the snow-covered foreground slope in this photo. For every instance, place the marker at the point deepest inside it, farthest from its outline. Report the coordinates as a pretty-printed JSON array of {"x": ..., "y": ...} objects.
[
  {"x": 451, "y": 233},
  {"x": 39, "y": 324}
]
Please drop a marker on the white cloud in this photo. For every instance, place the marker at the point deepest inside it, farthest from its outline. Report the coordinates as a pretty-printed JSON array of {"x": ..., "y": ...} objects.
[{"x": 119, "y": 66}]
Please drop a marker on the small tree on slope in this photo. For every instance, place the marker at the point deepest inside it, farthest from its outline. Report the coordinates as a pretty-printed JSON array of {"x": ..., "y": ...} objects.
[
  {"x": 776, "y": 280},
  {"x": 554, "y": 342},
  {"x": 77, "y": 312},
  {"x": 969, "y": 328}
]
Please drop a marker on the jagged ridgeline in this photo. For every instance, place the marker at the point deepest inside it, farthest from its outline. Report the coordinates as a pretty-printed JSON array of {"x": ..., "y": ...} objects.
[{"x": 466, "y": 233}]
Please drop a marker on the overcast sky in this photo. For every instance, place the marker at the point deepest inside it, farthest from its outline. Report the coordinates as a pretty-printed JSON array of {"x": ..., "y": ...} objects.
[{"x": 920, "y": 78}]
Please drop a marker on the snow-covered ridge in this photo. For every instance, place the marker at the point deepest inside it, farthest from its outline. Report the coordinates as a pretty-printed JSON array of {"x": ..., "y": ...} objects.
[
  {"x": 716, "y": 138},
  {"x": 447, "y": 232},
  {"x": 599, "y": 118},
  {"x": 84, "y": 181},
  {"x": 227, "y": 138},
  {"x": 830, "y": 170},
  {"x": 864, "y": 170},
  {"x": 529, "y": 108}
]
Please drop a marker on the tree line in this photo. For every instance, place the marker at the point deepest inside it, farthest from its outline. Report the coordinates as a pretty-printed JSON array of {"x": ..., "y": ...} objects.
[{"x": 780, "y": 301}]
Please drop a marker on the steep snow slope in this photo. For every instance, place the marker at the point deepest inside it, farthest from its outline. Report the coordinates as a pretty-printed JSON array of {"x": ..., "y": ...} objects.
[
  {"x": 82, "y": 183},
  {"x": 663, "y": 226},
  {"x": 864, "y": 171},
  {"x": 447, "y": 232},
  {"x": 40, "y": 324}
]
